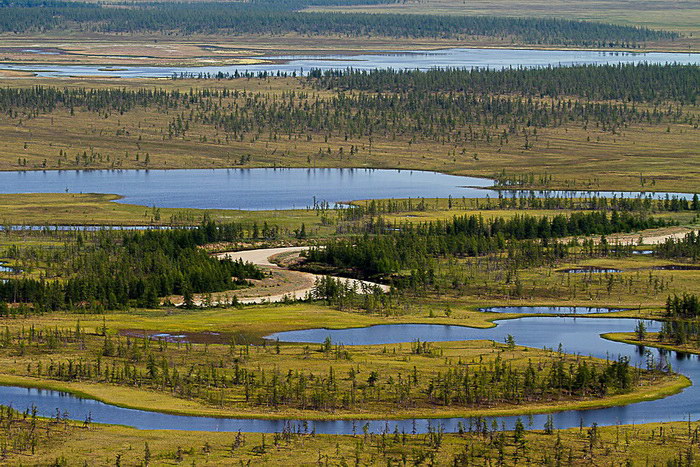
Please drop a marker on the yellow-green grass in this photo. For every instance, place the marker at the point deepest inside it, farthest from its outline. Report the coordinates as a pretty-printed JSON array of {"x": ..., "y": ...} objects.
[
  {"x": 638, "y": 287},
  {"x": 254, "y": 320},
  {"x": 680, "y": 16},
  {"x": 106, "y": 209},
  {"x": 642, "y": 157},
  {"x": 103, "y": 209},
  {"x": 652, "y": 444}
]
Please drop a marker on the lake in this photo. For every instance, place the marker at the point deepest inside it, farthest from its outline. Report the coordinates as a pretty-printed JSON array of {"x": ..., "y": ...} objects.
[{"x": 260, "y": 189}]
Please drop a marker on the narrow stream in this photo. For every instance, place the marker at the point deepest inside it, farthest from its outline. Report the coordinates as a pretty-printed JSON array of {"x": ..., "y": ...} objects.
[{"x": 495, "y": 59}]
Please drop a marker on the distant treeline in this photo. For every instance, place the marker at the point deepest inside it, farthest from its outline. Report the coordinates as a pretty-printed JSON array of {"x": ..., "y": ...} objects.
[
  {"x": 432, "y": 106},
  {"x": 281, "y": 17},
  {"x": 523, "y": 199},
  {"x": 410, "y": 245},
  {"x": 132, "y": 268},
  {"x": 626, "y": 82},
  {"x": 459, "y": 118}
]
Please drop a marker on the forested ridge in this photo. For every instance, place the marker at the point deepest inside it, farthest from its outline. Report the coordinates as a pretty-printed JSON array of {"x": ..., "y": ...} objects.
[{"x": 275, "y": 17}]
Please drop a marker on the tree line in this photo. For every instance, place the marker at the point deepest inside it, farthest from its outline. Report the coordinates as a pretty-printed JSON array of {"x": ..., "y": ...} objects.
[
  {"x": 278, "y": 17},
  {"x": 123, "y": 269},
  {"x": 642, "y": 82},
  {"x": 522, "y": 200},
  {"x": 687, "y": 247},
  {"x": 685, "y": 306},
  {"x": 361, "y": 117},
  {"x": 392, "y": 248}
]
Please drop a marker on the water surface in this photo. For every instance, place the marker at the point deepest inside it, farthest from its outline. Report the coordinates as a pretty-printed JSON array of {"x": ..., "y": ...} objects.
[
  {"x": 253, "y": 189},
  {"x": 423, "y": 60},
  {"x": 589, "y": 270},
  {"x": 549, "y": 310},
  {"x": 258, "y": 189}
]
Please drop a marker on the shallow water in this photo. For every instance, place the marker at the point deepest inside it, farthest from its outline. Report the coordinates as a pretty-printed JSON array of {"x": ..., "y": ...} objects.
[
  {"x": 590, "y": 270},
  {"x": 257, "y": 189},
  {"x": 549, "y": 310},
  {"x": 576, "y": 335},
  {"x": 10, "y": 269},
  {"x": 443, "y": 58},
  {"x": 88, "y": 228},
  {"x": 677, "y": 267}
]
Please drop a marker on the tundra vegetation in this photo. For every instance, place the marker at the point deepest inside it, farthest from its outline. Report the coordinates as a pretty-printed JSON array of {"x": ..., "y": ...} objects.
[
  {"x": 588, "y": 128},
  {"x": 151, "y": 319}
]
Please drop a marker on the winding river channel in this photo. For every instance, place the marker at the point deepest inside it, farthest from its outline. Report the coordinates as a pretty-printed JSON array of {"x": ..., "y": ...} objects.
[
  {"x": 577, "y": 335},
  {"x": 423, "y": 60}
]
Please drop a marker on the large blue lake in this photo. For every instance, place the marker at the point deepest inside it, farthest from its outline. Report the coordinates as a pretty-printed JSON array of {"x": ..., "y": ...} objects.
[
  {"x": 257, "y": 189},
  {"x": 457, "y": 58},
  {"x": 253, "y": 189}
]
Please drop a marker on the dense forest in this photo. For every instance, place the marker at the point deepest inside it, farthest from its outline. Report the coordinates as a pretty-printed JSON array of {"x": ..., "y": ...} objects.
[
  {"x": 411, "y": 245},
  {"x": 687, "y": 247},
  {"x": 131, "y": 268},
  {"x": 641, "y": 82},
  {"x": 273, "y": 17}
]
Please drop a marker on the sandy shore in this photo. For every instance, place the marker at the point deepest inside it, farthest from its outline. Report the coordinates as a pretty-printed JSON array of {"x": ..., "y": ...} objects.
[
  {"x": 652, "y": 237},
  {"x": 282, "y": 283}
]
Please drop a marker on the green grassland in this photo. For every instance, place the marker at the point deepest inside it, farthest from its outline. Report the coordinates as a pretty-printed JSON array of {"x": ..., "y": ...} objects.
[{"x": 49, "y": 209}]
